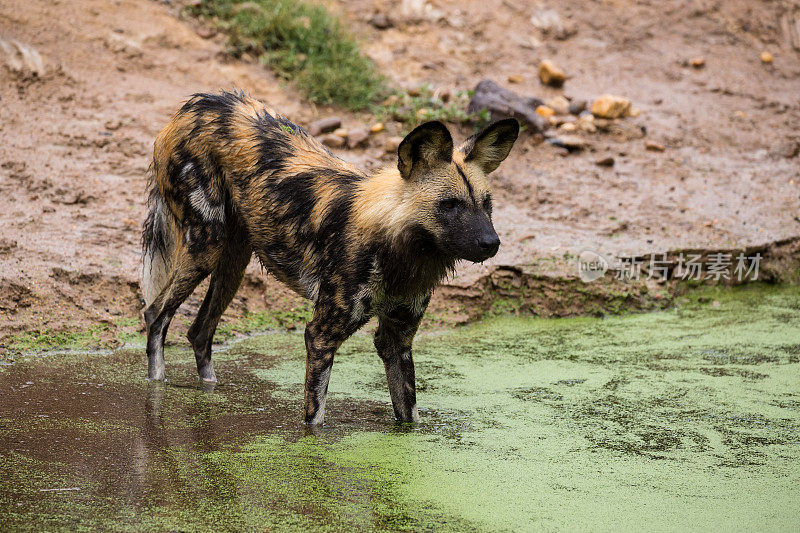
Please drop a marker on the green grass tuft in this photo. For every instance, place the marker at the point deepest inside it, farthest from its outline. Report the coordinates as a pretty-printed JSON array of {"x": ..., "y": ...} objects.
[
  {"x": 426, "y": 104},
  {"x": 299, "y": 41}
]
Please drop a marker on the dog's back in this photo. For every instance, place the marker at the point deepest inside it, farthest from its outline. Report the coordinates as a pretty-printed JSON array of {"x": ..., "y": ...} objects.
[{"x": 226, "y": 164}]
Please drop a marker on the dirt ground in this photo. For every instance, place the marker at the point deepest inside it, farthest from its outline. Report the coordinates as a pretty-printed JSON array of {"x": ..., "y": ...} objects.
[{"x": 76, "y": 139}]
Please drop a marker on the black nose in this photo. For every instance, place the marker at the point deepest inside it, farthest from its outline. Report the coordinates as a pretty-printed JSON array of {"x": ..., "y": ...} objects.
[{"x": 489, "y": 243}]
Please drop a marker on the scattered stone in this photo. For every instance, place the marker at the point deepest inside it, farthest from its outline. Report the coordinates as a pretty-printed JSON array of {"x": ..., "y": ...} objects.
[
  {"x": 610, "y": 106},
  {"x": 573, "y": 143},
  {"x": 331, "y": 140},
  {"x": 560, "y": 105},
  {"x": 549, "y": 22},
  {"x": 558, "y": 120},
  {"x": 503, "y": 103},
  {"x": 392, "y": 143},
  {"x": 324, "y": 125},
  {"x": 414, "y": 91},
  {"x": 516, "y": 78},
  {"x": 550, "y": 74},
  {"x": 357, "y": 137},
  {"x": 112, "y": 124},
  {"x": 545, "y": 111},
  {"x": 569, "y": 126},
  {"x": 766, "y": 57},
  {"x": 377, "y": 127},
  {"x": 635, "y": 112},
  {"x": 654, "y": 146},
  {"x": 204, "y": 32},
  {"x": 341, "y": 132},
  {"x": 380, "y": 21},
  {"x": 587, "y": 123},
  {"x": 602, "y": 124},
  {"x": 698, "y": 62},
  {"x": 576, "y": 107},
  {"x": 560, "y": 150},
  {"x": 624, "y": 131},
  {"x": 607, "y": 161}
]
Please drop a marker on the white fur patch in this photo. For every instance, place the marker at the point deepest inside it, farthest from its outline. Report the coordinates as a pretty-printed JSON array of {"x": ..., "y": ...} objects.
[
  {"x": 201, "y": 204},
  {"x": 155, "y": 266},
  {"x": 155, "y": 273}
]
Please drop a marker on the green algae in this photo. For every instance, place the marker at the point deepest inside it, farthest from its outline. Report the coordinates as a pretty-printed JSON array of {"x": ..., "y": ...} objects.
[{"x": 676, "y": 420}]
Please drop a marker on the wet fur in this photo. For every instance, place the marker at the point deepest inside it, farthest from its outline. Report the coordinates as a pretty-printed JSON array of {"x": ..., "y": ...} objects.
[{"x": 231, "y": 178}]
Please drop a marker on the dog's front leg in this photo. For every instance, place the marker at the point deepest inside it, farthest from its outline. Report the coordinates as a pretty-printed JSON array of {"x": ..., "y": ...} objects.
[
  {"x": 324, "y": 334},
  {"x": 393, "y": 341}
]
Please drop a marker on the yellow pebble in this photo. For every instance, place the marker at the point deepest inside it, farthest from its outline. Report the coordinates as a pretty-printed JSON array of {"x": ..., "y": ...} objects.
[{"x": 545, "y": 111}]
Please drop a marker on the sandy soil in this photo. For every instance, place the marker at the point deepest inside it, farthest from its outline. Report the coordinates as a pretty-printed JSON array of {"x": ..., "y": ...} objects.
[{"x": 76, "y": 139}]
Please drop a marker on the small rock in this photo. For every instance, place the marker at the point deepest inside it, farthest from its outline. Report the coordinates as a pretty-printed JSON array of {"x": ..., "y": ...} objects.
[
  {"x": 550, "y": 74},
  {"x": 377, "y": 127},
  {"x": 607, "y": 161},
  {"x": 549, "y": 22},
  {"x": 698, "y": 62},
  {"x": 602, "y": 124},
  {"x": 331, "y": 140},
  {"x": 112, "y": 124},
  {"x": 414, "y": 91},
  {"x": 516, "y": 78},
  {"x": 560, "y": 105},
  {"x": 357, "y": 137},
  {"x": 569, "y": 126},
  {"x": 576, "y": 107},
  {"x": 635, "y": 112},
  {"x": 587, "y": 123},
  {"x": 503, "y": 103},
  {"x": 341, "y": 132},
  {"x": 204, "y": 32},
  {"x": 573, "y": 143},
  {"x": 654, "y": 146},
  {"x": 392, "y": 143},
  {"x": 610, "y": 106},
  {"x": 324, "y": 125},
  {"x": 544, "y": 111},
  {"x": 380, "y": 21},
  {"x": 766, "y": 57}
]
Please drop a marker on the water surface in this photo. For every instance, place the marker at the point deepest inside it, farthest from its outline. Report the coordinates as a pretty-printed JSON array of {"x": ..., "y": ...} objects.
[{"x": 684, "y": 419}]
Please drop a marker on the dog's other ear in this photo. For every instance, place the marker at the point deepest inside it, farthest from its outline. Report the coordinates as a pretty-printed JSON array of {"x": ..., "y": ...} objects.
[
  {"x": 429, "y": 145},
  {"x": 491, "y": 146}
]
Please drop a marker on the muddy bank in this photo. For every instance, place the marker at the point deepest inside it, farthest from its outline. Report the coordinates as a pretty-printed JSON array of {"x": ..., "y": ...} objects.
[
  {"x": 559, "y": 423},
  {"x": 77, "y": 136}
]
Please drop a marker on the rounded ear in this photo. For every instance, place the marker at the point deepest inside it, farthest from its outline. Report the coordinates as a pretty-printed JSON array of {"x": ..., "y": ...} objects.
[
  {"x": 491, "y": 146},
  {"x": 428, "y": 145}
]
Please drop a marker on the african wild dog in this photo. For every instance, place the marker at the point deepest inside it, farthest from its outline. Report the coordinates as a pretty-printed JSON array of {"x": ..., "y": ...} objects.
[{"x": 232, "y": 178}]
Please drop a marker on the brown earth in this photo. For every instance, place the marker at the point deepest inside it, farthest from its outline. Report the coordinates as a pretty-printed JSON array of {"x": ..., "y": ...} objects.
[{"x": 77, "y": 133}]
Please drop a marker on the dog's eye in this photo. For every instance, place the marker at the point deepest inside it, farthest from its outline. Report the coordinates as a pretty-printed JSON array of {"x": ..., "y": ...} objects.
[
  {"x": 487, "y": 204},
  {"x": 449, "y": 204}
]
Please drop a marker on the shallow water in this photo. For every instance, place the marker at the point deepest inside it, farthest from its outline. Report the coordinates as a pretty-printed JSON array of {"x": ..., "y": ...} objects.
[{"x": 684, "y": 419}]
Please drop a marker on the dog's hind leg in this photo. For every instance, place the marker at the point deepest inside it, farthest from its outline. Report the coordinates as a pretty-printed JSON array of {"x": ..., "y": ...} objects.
[
  {"x": 187, "y": 272},
  {"x": 225, "y": 281}
]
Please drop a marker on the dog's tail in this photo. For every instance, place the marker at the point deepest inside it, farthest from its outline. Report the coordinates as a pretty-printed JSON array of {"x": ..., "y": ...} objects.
[{"x": 160, "y": 238}]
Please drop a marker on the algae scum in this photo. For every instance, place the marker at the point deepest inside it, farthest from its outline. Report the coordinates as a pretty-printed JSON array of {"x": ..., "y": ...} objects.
[{"x": 684, "y": 419}]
